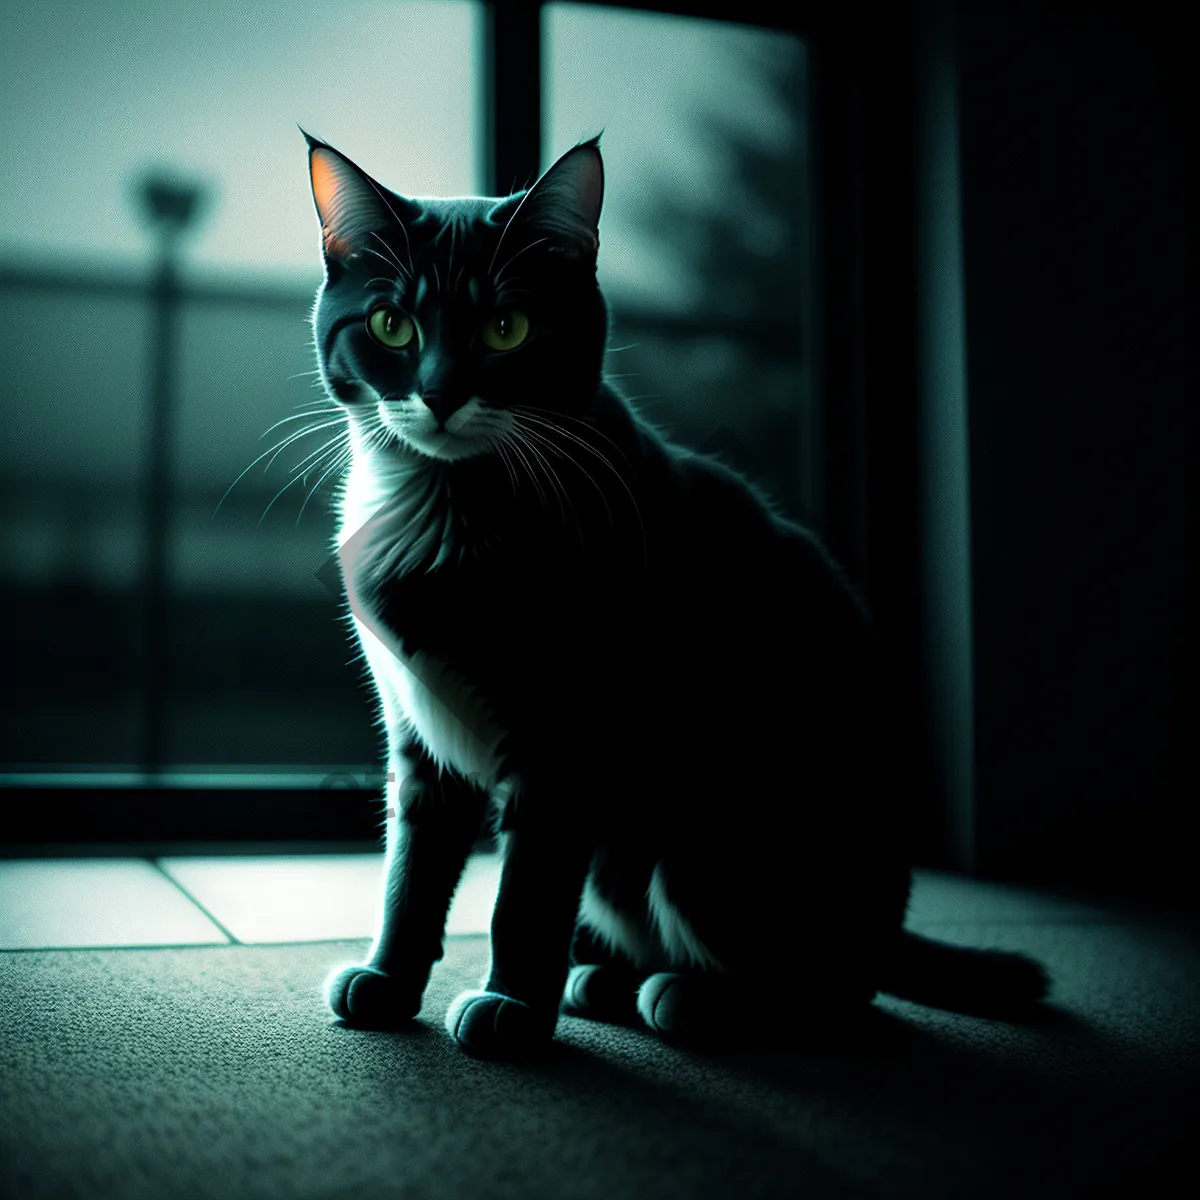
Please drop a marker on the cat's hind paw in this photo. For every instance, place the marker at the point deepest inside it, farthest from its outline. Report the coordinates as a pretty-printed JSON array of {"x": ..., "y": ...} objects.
[
  {"x": 601, "y": 993},
  {"x": 688, "y": 1008},
  {"x": 369, "y": 998},
  {"x": 489, "y": 1025}
]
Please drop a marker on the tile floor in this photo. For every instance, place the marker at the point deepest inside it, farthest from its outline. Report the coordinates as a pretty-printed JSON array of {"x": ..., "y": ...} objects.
[
  {"x": 63, "y": 903},
  {"x": 186, "y": 901}
]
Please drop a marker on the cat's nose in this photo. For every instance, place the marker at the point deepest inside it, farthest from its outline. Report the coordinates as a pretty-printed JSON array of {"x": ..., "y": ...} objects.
[{"x": 442, "y": 402}]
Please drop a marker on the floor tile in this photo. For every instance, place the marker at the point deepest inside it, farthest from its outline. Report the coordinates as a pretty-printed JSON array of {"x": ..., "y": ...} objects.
[
  {"x": 47, "y": 903},
  {"x": 298, "y": 898}
]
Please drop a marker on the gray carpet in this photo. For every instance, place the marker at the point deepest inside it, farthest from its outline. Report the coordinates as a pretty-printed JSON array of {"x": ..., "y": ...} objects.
[{"x": 217, "y": 1072}]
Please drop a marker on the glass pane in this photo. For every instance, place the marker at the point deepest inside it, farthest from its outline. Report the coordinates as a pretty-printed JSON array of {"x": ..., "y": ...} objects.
[
  {"x": 70, "y": 475},
  {"x": 92, "y": 97},
  {"x": 704, "y": 254},
  {"x": 259, "y": 667}
]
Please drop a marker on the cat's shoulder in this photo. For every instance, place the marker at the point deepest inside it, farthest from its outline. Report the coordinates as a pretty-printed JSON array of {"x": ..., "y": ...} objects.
[
  {"x": 708, "y": 492},
  {"x": 719, "y": 490}
]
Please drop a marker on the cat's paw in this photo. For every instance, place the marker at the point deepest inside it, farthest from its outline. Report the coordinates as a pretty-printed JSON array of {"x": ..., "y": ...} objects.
[
  {"x": 687, "y": 1008},
  {"x": 601, "y": 993},
  {"x": 369, "y": 998},
  {"x": 489, "y": 1025}
]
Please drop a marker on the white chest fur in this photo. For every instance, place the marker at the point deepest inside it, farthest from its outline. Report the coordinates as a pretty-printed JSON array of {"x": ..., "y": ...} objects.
[{"x": 453, "y": 721}]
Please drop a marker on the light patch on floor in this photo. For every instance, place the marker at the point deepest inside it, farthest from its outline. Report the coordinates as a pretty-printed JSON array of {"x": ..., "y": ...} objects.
[
  {"x": 302, "y": 898},
  {"x": 941, "y": 898},
  {"x": 96, "y": 902}
]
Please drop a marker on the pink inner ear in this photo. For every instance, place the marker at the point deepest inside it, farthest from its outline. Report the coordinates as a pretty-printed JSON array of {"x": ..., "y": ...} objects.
[
  {"x": 324, "y": 184},
  {"x": 327, "y": 184},
  {"x": 336, "y": 246}
]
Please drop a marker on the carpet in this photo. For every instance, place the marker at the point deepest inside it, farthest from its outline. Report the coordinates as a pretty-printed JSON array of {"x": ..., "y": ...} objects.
[{"x": 216, "y": 1071}]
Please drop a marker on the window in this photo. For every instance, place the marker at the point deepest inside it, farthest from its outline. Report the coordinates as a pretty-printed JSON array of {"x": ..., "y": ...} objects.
[
  {"x": 705, "y": 258},
  {"x": 705, "y": 262},
  {"x": 93, "y": 98}
]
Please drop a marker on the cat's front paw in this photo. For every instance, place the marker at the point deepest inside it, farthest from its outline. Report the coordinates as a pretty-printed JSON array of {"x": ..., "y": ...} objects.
[
  {"x": 489, "y": 1025},
  {"x": 369, "y": 998}
]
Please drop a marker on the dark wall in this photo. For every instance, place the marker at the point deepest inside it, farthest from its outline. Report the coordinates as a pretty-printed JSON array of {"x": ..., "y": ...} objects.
[{"x": 1078, "y": 215}]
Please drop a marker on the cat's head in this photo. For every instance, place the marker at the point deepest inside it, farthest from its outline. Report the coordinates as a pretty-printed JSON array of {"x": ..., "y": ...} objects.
[{"x": 440, "y": 321}]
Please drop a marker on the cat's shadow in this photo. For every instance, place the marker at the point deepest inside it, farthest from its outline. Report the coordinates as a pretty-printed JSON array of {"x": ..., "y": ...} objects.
[
  {"x": 873, "y": 1033},
  {"x": 899, "y": 1071},
  {"x": 878, "y": 1060},
  {"x": 909, "y": 1083}
]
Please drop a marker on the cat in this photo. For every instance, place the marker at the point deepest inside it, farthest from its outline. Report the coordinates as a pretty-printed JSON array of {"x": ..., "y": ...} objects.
[{"x": 665, "y": 694}]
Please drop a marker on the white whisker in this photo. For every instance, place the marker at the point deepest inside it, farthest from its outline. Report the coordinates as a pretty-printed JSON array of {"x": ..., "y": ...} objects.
[
  {"x": 519, "y": 453},
  {"x": 344, "y": 436},
  {"x": 530, "y": 438},
  {"x": 279, "y": 493},
  {"x": 579, "y": 467},
  {"x": 295, "y": 436},
  {"x": 523, "y": 437},
  {"x": 304, "y": 416},
  {"x": 391, "y": 256},
  {"x": 403, "y": 228},
  {"x": 498, "y": 443},
  {"x": 274, "y": 450},
  {"x": 550, "y": 413},
  {"x": 552, "y": 425},
  {"x": 338, "y": 463}
]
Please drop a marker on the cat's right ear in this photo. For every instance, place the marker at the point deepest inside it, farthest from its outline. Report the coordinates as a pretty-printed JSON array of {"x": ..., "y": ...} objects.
[
  {"x": 352, "y": 208},
  {"x": 563, "y": 206}
]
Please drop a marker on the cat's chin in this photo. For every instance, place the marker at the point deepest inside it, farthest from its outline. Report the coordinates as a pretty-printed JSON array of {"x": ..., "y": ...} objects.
[{"x": 445, "y": 447}]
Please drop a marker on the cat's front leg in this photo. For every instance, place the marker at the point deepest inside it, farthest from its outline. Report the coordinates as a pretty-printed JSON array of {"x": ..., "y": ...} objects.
[
  {"x": 433, "y": 820},
  {"x": 532, "y": 926}
]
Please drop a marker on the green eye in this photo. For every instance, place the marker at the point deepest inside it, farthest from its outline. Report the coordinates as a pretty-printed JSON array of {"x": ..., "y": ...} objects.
[
  {"x": 390, "y": 328},
  {"x": 506, "y": 330}
]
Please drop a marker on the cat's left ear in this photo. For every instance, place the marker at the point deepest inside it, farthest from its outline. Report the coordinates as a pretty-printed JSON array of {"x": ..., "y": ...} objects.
[
  {"x": 564, "y": 205},
  {"x": 350, "y": 205}
]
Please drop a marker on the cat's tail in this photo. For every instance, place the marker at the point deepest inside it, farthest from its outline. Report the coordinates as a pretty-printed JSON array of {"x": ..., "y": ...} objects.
[{"x": 963, "y": 979}]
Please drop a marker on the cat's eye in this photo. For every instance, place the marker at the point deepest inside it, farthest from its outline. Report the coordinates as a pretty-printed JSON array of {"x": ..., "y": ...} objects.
[
  {"x": 391, "y": 328},
  {"x": 506, "y": 330}
]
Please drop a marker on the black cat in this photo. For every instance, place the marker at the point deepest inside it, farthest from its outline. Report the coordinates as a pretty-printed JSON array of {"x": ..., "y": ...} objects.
[{"x": 667, "y": 692}]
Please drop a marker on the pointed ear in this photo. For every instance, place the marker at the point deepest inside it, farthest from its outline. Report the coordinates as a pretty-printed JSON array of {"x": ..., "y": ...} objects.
[
  {"x": 564, "y": 205},
  {"x": 350, "y": 204}
]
